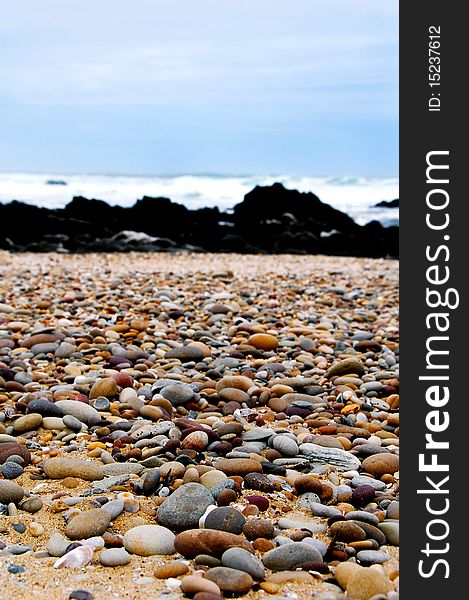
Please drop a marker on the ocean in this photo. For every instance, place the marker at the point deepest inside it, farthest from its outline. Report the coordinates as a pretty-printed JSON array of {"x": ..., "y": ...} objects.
[{"x": 355, "y": 196}]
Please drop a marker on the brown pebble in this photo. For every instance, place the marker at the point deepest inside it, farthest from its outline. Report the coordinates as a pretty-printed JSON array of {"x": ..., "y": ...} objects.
[
  {"x": 258, "y": 528},
  {"x": 192, "y": 584},
  {"x": 225, "y": 497},
  {"x": 262, "y": 545},
  {"x": 70, "y": 482},
  {"x": 172, "y": 569}
]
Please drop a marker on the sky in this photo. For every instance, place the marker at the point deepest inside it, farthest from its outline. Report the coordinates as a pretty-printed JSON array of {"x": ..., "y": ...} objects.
[{"x": 301, "y": 87}]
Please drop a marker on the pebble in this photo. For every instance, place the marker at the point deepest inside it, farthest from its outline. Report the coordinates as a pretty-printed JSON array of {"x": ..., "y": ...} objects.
[
  {"x": 172, "y": 569},
  {"x": 57, "y": 544},
  {"x": 81, "y": 411},
  {"x": 10, "y": 492},
  {"x": 148, "y": 540},
  {"x": 193, "y": 584},
  {"x": 372, "y": 557},
  {"x": 225, "y": 519},
  {"x": 184, "y": 507},
  {"x": 289, "y": 556},
  {"x": 208, "y": 541},
  {"x": 242, "y": 560},
  {"x": 381, "y": 464},
  {"x": 59, "y": 468},
  {"x": 72, "y": 422},
  {"x": 114, "y": 557},
  {"x": 27, "y": 423},
  {"x": 347, "y": 531},
  {"x": 238, "y": 466},
  {"x": 88, "y": 524},
  {"x": 391, "y": 531},
  {"x": 229, "y": 580},
  {"x": 365, "y": 583},
  {"x": 285, "y": 445},
  {"x": 81, "y": 595},
  {"x": 11, "y": 470}
]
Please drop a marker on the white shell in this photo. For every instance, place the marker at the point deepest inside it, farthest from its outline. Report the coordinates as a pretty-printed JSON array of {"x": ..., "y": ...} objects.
[{"x": 78, "y": 557}]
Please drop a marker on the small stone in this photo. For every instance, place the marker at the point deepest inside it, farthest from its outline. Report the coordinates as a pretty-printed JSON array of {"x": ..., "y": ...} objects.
[
  {"x": 391, "y": 531},
  {"x": 197, "y": 440},
  {"x": 36, "y": 529},
  {"x": 366, "y": 583},
  {"x": 188, "y": 353},
  {"x": 172, "y": 569},
  {"x": 320, "y": 510},
  {"x": 372, "y": 557},
  {"x": 27, "y": 423},
  {"x": 242, "y": 560},
  {"x": 212, "y": 478},
  {"x": 114, "y": 557},
  {"x": 258, "y": 528},
  {"x": 81, "y": 411},
  {"x": 261, "y": 502},
  {"x": 346, "y": 367},
  {"x": 258, "y": 481},
  {"x": 346, "y": 531},
  {"x": 59, "y": 468},
  {"x": 289, "y": 556},
  {"x": 230, "y": 580},
  {"x": 208, "y": 541},
  {"x": 178, "y": 394},
  {"x": 15, "y": 569},
  {"x": 10, "y": 492},
  {"x": 88, "y": 524},
  {"x": 81, "y": 595},
  {"x": 193, "y": 584},
  {"x": 104, "y": 387},
  {"x": 282, "y": 577},
  {"x": 207, "y": 561},
  {"x": 148, "y": 540},
  {"x": 101, "y": 403},
  {"x": 381, "y": 464},
  {"x": 263, "y": 341},
  {"x": 238, "y": 466},
  {"x": 363, "y": 494},
  {"x": 225, "y": 519},
  {"x": 285, "y": 445},
  {"x": 362, "y": 515},
  {"x": 11, "y": 470},
  {"x": 183, "y": 509},
  {"x": 57, "y": 544}
]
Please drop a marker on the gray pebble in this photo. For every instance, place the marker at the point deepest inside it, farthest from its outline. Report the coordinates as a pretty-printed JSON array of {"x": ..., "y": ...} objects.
[
  {"x": 372, "y": 557},
  {"x": 242, "y": 560},
  {"x": 114, "y": 557}
]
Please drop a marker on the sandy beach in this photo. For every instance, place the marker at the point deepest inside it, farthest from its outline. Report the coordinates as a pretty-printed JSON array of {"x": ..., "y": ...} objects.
[{"x": 252, "y": 401}]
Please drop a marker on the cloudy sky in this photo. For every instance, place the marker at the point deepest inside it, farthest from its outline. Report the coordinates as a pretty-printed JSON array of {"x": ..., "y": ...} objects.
[{"x": 190, "y": 86}]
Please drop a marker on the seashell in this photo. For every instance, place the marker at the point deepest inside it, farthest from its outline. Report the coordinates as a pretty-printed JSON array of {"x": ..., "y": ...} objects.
[
  {"x": 76, "y": 558},
  {"x": 197, "y": 440}
]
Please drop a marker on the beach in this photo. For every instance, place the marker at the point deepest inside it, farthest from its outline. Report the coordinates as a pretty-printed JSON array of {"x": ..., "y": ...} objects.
[{"x": 234, "y": 416}]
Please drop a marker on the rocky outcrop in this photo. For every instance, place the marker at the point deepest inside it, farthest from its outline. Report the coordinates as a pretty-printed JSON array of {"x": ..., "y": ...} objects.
[{"x": 270, "y": 219}]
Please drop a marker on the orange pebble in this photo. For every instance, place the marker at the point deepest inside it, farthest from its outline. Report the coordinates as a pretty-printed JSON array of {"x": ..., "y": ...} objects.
[{"x": 94, "y": 445}]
